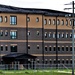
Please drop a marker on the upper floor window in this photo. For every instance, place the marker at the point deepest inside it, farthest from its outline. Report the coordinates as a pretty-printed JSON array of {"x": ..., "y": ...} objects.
[
  {"x": 28, "y": 19},
  {"x": 13, "y": 34},
  {"x": 53, "y": 21},
  {"x": 45, "y": 21},
  {"x": 13, "y": 48},
  {"x": 28, "y": 46},
  {"x": 70, "y": 22},
  {"x": 37, "y": 19},
  {"x": 58, "y": 35},
  {"x": 45, "y": 34},
  {"x": 37, "y": 46},
  {"x": 1, "y": 47},
  {"x": 50, "y": 48},
  {"x": 37, "y": 32},
  {"x": 49, "y": 34},
  {"x": 66, "y": 22},
  {"x": 1, "y": 33},
  {"x": 28, "y": 33},
  {"x": 6, "y": 48},
  {"x": 13, "y": 20},
  {"x": 5, "y": 18},
  {"x": 62, "y": 22},
  {"x": 45, "y": 48},
  {"x": 62, "y": 35},
  {"x": 70, "y": 35},
  {"x": 49, "y": 21},
  {"x": 1, "y": 18},
  {"x": 58, "y": 22},
  {"x": 6, "y": 32},
  {"x": 66, "y": 35}
]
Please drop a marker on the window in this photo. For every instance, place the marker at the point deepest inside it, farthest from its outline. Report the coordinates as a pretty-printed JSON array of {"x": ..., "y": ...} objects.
[
  {"x": 62, "y": 22},
  {"x": 70, "y": 61},
  {"x": 28, "y": 32},
  {"x": 54, "y": 48},
  {"x": 53, "y": 21},
  {"x": 6, "y": 33},
  {"x": 50, "y": 61},
  {"x": 62, "y": 48},
  {"x": 45, "y": 21},
  {"x": 45, "y": 48},
  {"x": 58, "y": 48},
  {"x": 74, "y": 22},
  {"x": 58, "y": 35},
  {"x": 1, "y": 18},
  {"x": 70, "y": 22},
  {"x": 53, "y": 35},
  {"x": 58, "y": 22},
  {"x": 49, "y": 48},
  {"x": 66, "y": 48},
  {"x": 28, "y": 46},
  {"x": 37, "y": 46},
  {"x": 63, "y": 61},
  {"x": 70, "y": 35},
  {"x": 37, "y": 19},
  {"x": 13, "y": 20},
  {"x": 37, "y": 32},
  {"x": 49, "y": 34},
  {"x": 13, "y": 48},
  {"x": 67, "y": 62},
  {"x": 66, "y": 35},
  {"x": 70, "y": 48},
  {"x": 1, "y": 47},
  {"x": 46, "y": 61},
  {"x": 66, "y": 22},
  {"x": 5, "y": 18},
  {"x": 62, "y": 35},
  {"x": 45, "y": 34},
  {"x": 28, "y": 19},
  {"x": 6, "y": 48},
  {"x": 74, "y": 35},
  {"x": 1, "y": 33},
  {"x": 49, "y": 21},
  {"x": 13, "y": 34}
]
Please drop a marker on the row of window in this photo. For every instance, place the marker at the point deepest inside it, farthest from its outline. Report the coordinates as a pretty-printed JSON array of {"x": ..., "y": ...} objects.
[
  {"x": 54, "y": 61},
  {"x": 12, "y": 48},
  {"x": 59, "y": 35},
  {"x": 58, "y": 22},
  {"x": 13, "y": 21},
  {"x": 58, "y": 48},
  {"x": 13, "y": 34},
  {"x": 53, "y": 35},
  {"x": 54, "y": 48}
]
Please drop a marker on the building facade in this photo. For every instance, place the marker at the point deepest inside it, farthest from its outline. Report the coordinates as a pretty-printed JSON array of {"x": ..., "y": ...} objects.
[{"x": 44, "y": 33}]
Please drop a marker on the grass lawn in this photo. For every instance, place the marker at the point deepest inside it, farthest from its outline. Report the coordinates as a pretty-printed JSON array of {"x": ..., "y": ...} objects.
[{"x": 33, "y": 72}]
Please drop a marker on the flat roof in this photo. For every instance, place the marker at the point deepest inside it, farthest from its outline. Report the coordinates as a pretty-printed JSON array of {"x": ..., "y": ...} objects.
[{"x": 47, "y": 12}]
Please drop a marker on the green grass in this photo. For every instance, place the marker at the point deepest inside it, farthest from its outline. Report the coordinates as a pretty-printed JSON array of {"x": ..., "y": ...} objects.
[{"x": 33, "y": 72}]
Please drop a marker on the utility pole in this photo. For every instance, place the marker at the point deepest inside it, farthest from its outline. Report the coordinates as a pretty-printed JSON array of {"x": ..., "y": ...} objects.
[{"x": 72, "y": 33}]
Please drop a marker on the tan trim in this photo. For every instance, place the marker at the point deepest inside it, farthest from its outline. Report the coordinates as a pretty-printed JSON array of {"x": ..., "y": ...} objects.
[
  {"x": 34, "y": 40},
  {"x": 52, "y": 54},
  {"x": 58, "y": 41},
  {"x": 13, "y": 26},
  {"x": 12, "y": 40},
  {"x": 13, "y": 44},
  {"x": 13, "y": 30}
]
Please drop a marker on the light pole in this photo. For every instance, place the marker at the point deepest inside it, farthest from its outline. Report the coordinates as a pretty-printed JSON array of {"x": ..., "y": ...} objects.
[{"x": 72, "y": 34}]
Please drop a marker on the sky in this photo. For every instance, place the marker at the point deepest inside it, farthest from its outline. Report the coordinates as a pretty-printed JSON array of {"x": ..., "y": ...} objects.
[{"x": 42, "y": 4}]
